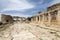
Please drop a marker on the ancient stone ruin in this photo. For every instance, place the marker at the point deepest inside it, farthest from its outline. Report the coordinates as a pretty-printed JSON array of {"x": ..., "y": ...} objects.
[
  {"x": 6, "y": 19},
  {"x": 34, "y": 27},
  {"x": 50, "y": 16},
  {"x": 17, "y": 18}
]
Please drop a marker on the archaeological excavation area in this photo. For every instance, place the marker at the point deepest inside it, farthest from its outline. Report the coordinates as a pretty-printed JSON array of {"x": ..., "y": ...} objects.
[{"x": 42, "y": 26}]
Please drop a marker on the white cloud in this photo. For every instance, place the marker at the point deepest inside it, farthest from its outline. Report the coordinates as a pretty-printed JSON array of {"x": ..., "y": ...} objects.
[
  {"x": 22, "y": 15},
  {"x": 18, "y": 5},
  {"x": 18, "y": 14},
  {"x": 54, "y": 2}
]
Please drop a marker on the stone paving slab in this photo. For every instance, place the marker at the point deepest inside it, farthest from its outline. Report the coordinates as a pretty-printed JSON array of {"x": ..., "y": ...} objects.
[{"x": 24, "y": 31}]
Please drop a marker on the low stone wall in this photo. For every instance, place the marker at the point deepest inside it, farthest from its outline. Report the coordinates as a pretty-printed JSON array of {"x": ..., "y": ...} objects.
[{"x": 6, "y": 19}]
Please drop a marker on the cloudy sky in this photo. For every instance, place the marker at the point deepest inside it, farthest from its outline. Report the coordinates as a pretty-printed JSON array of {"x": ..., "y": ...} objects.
[{"x": 24, "y": 7}]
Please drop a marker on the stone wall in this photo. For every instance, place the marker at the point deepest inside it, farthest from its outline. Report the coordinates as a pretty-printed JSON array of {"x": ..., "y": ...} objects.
[
  {"x": 53, "y": 7},
  {"x": 6, "y": 19},
  {"x": 50, "y": 16}
]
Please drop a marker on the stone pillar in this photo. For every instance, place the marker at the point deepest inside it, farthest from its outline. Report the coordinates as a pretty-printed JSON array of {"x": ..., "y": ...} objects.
[
  {"x": 58, "y": 17},
  {"x": 49, "y": 18},
  {"x": 39, "y": 19},
  {"x": 43, "y": 18},
  {"x": 31, "y": 19},
  {"x": 36, "y": 19}
]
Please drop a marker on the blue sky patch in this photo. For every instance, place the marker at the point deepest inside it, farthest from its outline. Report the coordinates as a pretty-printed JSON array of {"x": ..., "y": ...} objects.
[{"x": 24, "y": 8}]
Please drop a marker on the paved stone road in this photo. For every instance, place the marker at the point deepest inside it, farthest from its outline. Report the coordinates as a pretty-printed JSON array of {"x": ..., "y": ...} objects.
[{"x": 24, "y": 31}]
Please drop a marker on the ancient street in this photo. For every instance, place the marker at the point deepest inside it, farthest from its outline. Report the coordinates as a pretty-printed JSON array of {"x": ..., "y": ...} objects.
[
  {"x": 30, "y": 31},
  {"x": 29, "y": 19}
]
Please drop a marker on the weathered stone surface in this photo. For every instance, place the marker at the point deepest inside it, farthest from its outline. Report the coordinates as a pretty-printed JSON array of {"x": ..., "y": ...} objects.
[
  {"x": 51, "y": 16},
  {"x": 24, "y": 31},
  {"x": 6, "y": 18}
]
